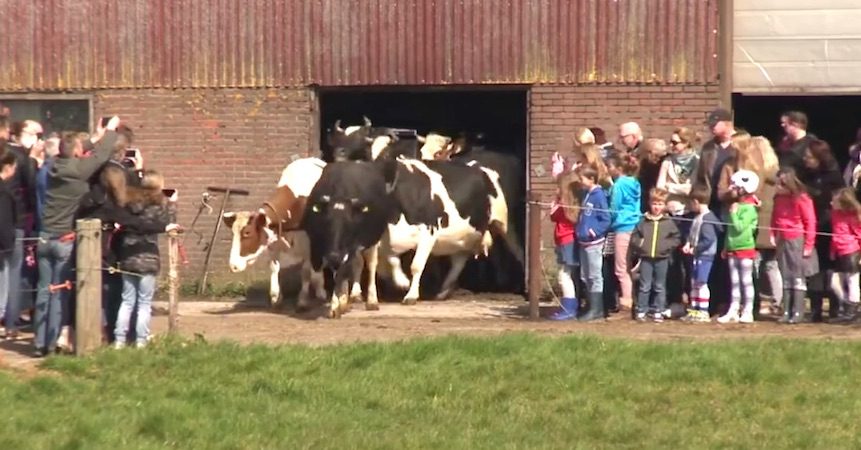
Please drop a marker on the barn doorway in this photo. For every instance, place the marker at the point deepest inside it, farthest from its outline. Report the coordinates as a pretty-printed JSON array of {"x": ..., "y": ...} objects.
[
  {"x": 833, "y": 118},
  {"x": 500, "y": 113}
]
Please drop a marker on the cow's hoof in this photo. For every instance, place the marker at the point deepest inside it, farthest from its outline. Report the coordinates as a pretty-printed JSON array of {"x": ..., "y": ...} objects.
[
  {"x": 356, "y": 298},
  {"x": 444, "y": 295},
  {"x": 302, "y": 307},
  {"x": 410, "y": 301},
  {"x": 372, "y": 306}
]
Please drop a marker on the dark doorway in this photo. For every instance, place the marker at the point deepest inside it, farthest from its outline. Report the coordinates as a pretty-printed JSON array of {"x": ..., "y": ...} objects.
[
  {"x": 833, "y": 118},
  {"x": 500, "y": 113}
]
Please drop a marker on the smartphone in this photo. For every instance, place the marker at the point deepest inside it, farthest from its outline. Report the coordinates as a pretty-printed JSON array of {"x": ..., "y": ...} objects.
[
  {"x": 133, "y": 152},
  {"x": 168, "y": 192},
  {"x": 104, "y": 121}
]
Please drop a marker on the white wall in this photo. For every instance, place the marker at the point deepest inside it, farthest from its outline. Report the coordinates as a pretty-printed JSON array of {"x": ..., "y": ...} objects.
[{"x": 797, "y": 46}]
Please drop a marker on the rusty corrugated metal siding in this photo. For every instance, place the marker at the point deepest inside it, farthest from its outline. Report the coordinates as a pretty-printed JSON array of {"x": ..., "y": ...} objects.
[{"x": 81, "y": 44}]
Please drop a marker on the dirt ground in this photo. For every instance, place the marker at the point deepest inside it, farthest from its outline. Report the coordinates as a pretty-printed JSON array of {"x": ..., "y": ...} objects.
[{"x": 474, "y": 315}]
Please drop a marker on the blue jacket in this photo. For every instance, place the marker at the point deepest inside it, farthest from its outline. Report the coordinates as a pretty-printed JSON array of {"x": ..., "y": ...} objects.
[
  {"x": 625, "y": 204},
  {"x": 705, "y": 239},
  {"x": 594, "y": 215}
]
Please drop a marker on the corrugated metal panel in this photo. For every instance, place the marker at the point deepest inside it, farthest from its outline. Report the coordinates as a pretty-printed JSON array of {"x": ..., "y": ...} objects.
[
  {"x": 786, "y": 46},
  {"x": 78, "y": 44}
]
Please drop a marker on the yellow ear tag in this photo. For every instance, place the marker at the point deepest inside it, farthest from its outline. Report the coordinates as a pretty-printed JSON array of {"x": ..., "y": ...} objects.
[
  {"x": 365, "y": 209},
  {"x": 315, "y": 208}
]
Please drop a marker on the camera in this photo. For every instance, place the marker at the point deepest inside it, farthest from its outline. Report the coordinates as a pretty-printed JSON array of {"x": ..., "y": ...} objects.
[
  {"x": 168, "y": 192},
  {"x": 104, "y": 121}
]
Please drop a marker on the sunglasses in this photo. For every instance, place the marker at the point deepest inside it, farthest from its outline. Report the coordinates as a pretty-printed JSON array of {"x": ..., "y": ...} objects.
[{"x": 674, "y": 142}]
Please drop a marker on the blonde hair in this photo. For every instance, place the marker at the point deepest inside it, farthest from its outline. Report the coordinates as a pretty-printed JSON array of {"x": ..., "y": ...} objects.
[
  {"x": 590, "y": 155},
  {"x": 584, "y": 136},
  {"x": 658, "y": 195},
  {"x": 569, "y": 184},
  {"x": 770, "y": 163},
  {"x": 744, "y": 158},
  {"x": 653, "y": 150},
  {"x": 152, "y": 180}
]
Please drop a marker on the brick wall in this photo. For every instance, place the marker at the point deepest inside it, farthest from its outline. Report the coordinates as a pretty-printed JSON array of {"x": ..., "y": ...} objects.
[
  {"x": 239, "y": 138},
  {"x": 557, "y": 111}
]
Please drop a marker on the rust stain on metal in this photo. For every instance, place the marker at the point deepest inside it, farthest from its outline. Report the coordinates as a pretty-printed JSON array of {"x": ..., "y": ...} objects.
[{"x": 275, "y": 43}]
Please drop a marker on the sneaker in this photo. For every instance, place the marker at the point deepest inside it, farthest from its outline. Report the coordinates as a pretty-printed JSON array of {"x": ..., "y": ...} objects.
[
  {"x": 11, "y": 335},
  {"x": 119, "y": 345},
  {"x": 641, "y": 317},
  {"x": 140, "y": 344},
  {"x": 704, "y": 317},
  {"x": 40, "y": 353},
  {"x": 746, "y": 318},
  {"x": 729, "y": 317},
  {"x": 658, "y": 317},
  {"x": 692, "y": 316}
]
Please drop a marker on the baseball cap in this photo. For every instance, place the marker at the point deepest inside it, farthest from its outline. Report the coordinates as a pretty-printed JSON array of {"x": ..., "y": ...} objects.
[{"x": 718, "y": 115}]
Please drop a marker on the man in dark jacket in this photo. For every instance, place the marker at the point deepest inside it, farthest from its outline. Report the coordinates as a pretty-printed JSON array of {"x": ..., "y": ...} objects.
[
  {"x": 67, "y": 185},
  {"x": 8, "y": 217},
  {"x": 24, "y": 136},
  {"x": 790, "y": 149}
]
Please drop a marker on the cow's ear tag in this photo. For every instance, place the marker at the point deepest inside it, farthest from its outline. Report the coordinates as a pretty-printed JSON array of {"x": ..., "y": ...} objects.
[
  {"x": 315, "y": 208},
  {"x": 365, "y": 209}
]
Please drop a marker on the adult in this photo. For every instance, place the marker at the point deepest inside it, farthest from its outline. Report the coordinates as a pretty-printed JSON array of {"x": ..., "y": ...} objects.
[
  {"x": 651, "y": 154},
  {"x": 823, "y": 178},
  {"x": 52, "y": 149},
  {"x": 796, "y": 139},
  {"x": 630, "y": 136},
  {"x": 8, "y": 214},
  {"x": 715, "y": 153},
  {"x": 766, "y": 263},
  {"x": 605, "y": 146},
  {"x": 853, "y": 168},
  {"x": 678, "y": 169},
  {"x": 23, "y": 137}
]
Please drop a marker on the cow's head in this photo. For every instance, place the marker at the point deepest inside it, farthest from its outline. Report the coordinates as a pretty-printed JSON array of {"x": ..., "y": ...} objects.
[
  {"x": 251, "y": 237},
  {"x": 351, "y": 143},
  {"x": 348, "y": 210},
  {"x": 435, "y": 146}
]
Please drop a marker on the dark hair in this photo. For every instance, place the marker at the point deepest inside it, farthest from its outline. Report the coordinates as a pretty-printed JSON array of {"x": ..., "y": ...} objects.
[
  {"x": 7, "y": 158},
  {"x": 822, "y": 152},
  {"x": 701, "y": 193},
  {"x": 16, "y": 128},
  {"x": 126, "y": 132},
  {"x": 798, "y": 118},
  {"x": 600, "y": 135},
  {"x": 68, "y": 144},
  {"x": 629, "y": 163}
]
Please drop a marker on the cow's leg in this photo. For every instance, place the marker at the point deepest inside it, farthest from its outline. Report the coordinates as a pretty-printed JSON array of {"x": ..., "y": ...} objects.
[
  {"x": 458, "y": 261},
  {"x": 340, "y": 301},
  {"x": 423, "y": 251},
  {"x": 356, "y": 285},
  {"x": 398, "y": 276},
  {"x": 274, "y": 281},
  {"x": 372, "y": 258}
]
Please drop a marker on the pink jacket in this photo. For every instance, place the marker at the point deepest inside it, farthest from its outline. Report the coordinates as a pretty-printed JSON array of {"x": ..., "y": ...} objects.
[
  {"x": 846, "y": 230},
  {"x": 794, "y": 217}
]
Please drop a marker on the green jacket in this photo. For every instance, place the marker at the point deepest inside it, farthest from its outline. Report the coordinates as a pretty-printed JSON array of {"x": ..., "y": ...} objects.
[{"x": 741, "y": 233}]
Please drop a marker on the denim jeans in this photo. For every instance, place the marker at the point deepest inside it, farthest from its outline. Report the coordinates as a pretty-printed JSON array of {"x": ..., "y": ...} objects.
[
  {"x": 112, "y": 292},
  {"x": 55, "y": 261},
  {"x": 5, "y": 266},
  {"x": 653, "y": 278},
  {"x": 13, "y": 295},
  {"x": 137, "y": 295},
  {"x": 591, "y": 267}
]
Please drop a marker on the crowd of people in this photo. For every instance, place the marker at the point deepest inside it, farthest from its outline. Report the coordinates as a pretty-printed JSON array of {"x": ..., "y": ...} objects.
[
  {"x": 752, "y": 228},
  {"x": 48, "y": 182}
]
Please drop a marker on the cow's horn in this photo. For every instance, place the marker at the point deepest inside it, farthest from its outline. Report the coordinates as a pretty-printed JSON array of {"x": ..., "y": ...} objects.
[
  {"x": 338, "y": 126},
  {"x": 367, "y": 121}
]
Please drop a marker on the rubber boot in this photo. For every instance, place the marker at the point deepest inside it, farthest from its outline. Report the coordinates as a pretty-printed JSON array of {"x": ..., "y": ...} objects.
[
  {"x": 568, "y": 309},
  {"x": 797, "y": 306},
  {"x": 596, "y": 308},
  {"x": 815, "y": 307},
  {"x": 834, "y": 307},
  {"x": 849, "y": 311},
  {"x": 787, "y": 306}
]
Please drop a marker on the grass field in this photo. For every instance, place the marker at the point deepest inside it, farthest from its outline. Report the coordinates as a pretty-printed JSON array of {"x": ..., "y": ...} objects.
[{"x": 517, "y": 391}]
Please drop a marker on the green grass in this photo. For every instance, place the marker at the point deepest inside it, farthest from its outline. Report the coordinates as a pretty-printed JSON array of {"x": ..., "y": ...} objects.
[{"x": 517, "y": 391}]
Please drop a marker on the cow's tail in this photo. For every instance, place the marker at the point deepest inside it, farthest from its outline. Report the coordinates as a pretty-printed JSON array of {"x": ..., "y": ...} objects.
[{"x": 500, "y": 232}]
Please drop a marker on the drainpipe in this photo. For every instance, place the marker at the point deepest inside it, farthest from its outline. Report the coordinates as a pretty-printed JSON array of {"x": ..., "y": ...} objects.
[{"x": 725, "y": 51}]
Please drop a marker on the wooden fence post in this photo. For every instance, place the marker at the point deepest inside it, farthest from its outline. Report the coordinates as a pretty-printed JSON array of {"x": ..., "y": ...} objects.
[
  {"x": 533, "y": 254},
  {"x": 172, "y": 282},
  {"x": 88, "y": 305}
]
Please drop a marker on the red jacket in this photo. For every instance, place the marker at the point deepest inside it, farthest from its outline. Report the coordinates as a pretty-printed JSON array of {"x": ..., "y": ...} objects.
[
  {"x": 846, "y": 230},
  {"x": 563, "y": 232},
  {"x": 794, "y": 217}
]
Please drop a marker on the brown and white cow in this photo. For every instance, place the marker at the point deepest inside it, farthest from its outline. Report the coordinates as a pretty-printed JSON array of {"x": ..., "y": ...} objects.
[{"x": 273, "y": 229}]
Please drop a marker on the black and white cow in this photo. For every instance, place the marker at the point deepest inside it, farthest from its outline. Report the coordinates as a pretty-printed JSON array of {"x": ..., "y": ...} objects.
[{"x": 433, "y": 208}]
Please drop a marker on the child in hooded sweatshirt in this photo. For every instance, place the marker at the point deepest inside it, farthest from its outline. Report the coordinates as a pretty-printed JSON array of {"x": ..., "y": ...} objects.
[
  {"x": 701, "y": 244},
  {"x": 563, "y": 213},
  {"x": 625, "y": 206},
  {"x": 653, "y": 240},
  {"x": 740, "y": 248},
  {"x": 793, "y": 224},
  {"x": 592, "y": 226},
  {"x": 846, "y": 251}
]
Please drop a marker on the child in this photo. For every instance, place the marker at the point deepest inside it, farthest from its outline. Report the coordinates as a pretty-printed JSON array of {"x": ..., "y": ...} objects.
[
  {"x": 625, "y": 207},
  {"x": 701, "y": 244},
  {"x": 740, "y": 248},
  {"x": 592, "y": 226},
  {"x": 846, "y": 251},
  {"x": 793, "y": 224},
  {"x": 8, "y": 216},
  {"x": 564, "y": 216},
  {"x": 138, "y": 253},
  {"x": 654, "y": 239}
]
